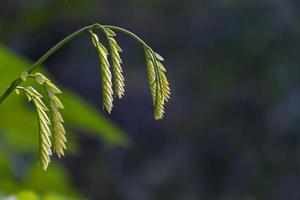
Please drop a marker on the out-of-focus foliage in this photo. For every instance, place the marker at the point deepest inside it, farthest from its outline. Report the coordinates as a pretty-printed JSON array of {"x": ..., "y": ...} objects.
[
  {"x": 31, "y": 195},
  {"x": 232, "y": 128},
  {"x": 16, "y": 111},
  {"x": 19, "y": 136}
]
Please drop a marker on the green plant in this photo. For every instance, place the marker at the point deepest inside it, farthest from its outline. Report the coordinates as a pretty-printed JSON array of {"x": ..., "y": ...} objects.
[{"x": 50, "y": 121}]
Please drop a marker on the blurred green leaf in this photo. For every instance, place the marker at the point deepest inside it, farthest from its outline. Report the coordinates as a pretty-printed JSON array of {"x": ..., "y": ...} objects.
[
  {"x": 18, "y": 125},
  {"x": 55, "y": 180},
  {"x": 26, "y": 195},
  {"x": 20, "y": 174}
]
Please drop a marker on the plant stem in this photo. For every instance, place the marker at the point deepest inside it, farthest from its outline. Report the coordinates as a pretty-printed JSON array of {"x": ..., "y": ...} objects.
[
  {"x": 134, "y": 36},
  {"x": 63, "y": 42},
  {"x": 40, "y": 61}
]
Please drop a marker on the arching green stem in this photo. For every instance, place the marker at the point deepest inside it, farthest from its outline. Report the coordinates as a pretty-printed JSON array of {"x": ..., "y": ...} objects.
[
  {"x": 40, "y": 61},
  {"x": 134, "y": 36},
  {"x": 63, "y": 42}
]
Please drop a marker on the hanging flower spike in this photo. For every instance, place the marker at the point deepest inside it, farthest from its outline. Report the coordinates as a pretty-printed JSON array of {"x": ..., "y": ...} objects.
[
  {"x": 106, "y": 77},
  {"x": 115, "y": 49},
  {"x": 44, "y": 123},
  {"x": 159, "y": 85},
  {"x": 59, "y": 133}
]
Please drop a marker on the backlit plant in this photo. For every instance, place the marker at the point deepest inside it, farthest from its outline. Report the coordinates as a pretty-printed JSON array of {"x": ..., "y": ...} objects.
[{"x": 52, "y": 136}]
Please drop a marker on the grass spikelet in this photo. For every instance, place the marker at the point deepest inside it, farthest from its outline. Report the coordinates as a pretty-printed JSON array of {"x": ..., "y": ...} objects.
[
  {"x": 59, "y": 137},
  {"x": 106, "y": 77},
  {"x": 159, "y": 85},
  {"x": 44, "y": 125},
  {"x": 118, "y": 78}
]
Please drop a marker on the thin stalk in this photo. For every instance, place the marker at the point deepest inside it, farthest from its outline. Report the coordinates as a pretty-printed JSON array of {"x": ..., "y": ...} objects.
[
  {"x": 134, "y": 36},
  {"x": 63, "y": 42},
  {"x": 40, "y": 61}
]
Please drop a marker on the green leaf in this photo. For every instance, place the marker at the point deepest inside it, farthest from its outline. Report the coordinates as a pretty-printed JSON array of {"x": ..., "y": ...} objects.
[
  {"x": 15, "y": 111},
  {"x": 27, "y": 195}
]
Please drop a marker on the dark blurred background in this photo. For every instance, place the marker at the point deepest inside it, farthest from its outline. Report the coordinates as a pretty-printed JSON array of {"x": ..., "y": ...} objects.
[{"x": 231, "y": 129}]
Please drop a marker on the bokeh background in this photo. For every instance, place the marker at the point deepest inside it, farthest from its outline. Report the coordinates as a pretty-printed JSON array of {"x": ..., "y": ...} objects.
[{"x": 231, "y": 130}]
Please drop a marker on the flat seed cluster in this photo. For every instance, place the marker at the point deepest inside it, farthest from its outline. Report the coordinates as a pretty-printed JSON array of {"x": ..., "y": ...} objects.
[
  {"x": 51, "y": 128},
  {"x": 44, "y": 124},
  {"x": 59, "y": 138},
  {"x": 159, "y": 85},
  {"x": 118, "y": 79},
  {"x": 113, "y": 83},
  {"x": 106, "y": 77}
]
